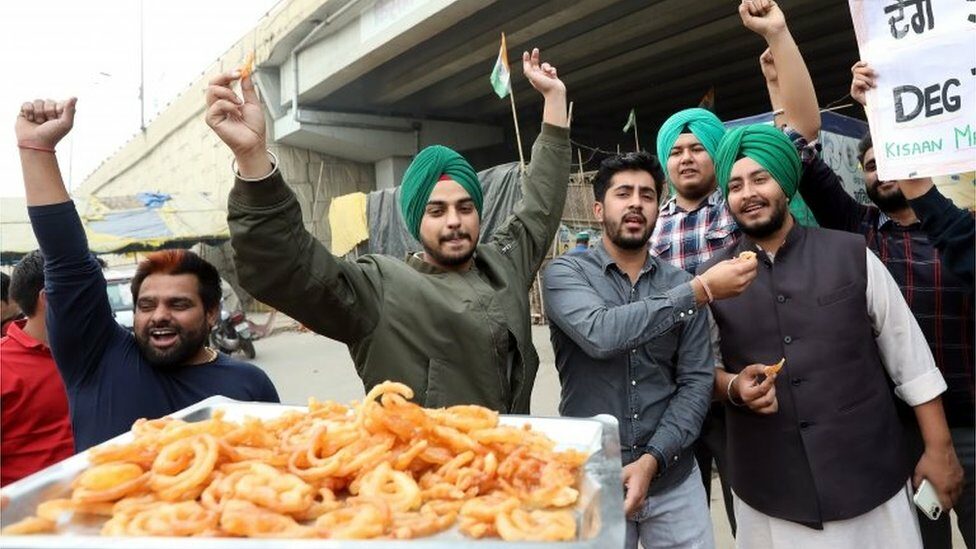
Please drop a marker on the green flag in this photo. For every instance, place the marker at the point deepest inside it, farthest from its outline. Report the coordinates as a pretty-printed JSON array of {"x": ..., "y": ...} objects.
[{"x": 631, "y": 120}]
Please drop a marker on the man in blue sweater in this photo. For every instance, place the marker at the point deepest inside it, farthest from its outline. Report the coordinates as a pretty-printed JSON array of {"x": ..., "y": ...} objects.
[{"x": 113, "y": 377}]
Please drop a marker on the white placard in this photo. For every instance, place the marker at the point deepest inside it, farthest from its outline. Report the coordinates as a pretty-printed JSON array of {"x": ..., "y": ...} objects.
[{"x": 923, "y": 112}]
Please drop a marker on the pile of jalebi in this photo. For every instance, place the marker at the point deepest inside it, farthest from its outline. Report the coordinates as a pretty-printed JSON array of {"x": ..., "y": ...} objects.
[{"x": 383, "y": 468}]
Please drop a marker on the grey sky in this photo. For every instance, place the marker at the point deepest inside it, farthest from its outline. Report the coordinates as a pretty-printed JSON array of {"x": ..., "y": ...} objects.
[{"x": 90, "y": 49}]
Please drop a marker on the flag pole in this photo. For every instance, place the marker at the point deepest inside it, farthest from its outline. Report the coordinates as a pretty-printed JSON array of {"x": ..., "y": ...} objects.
[
  {"x": 518, "y": 134},
  {"x": 579, "y": 155},
  {"x": 636, "y": 141}
]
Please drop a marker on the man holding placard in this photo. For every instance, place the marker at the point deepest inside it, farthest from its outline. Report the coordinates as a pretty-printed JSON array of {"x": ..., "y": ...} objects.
[
  {"x": 923, "y": 110},
  {"x": 907, "y": 243}
]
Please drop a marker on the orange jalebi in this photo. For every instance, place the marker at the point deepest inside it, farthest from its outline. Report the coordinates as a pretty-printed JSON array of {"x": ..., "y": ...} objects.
[
  {"x": 426, "y": 522},
  {"x": 272, "y": 489},
  {"x": 52, "y": 509},
  {"x": 478, "y": 514},
  {"x": 247, "y": 67},
  {"x": 522, "y": 525},
  {"x": 241, "y": 518},
  {"x": 183, "y": 465},
  {"x": 186, "y": 518},
  {"x": 774, "y": 368},
  {"x": 383, "y": 467},
  {"x": 359, "y": 518},
  {"x": 31, "y": 525},
  {"x": 108, "y": 482},
  {"x": 398, "y": 489}
]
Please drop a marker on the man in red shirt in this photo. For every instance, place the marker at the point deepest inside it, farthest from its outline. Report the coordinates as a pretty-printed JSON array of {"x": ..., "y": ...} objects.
[
  {"x": 8, "y": 310},
  {"x": 36, "y": 431}
]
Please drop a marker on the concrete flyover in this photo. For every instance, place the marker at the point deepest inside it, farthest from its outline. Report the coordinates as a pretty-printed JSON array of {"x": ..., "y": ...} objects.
[{"x": 355, "y": 87}]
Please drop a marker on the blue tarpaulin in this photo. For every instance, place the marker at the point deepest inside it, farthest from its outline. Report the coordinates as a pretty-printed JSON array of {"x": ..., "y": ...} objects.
[
  {"x": 153, "y": 200},
  {"x": 117, "y": 224}
]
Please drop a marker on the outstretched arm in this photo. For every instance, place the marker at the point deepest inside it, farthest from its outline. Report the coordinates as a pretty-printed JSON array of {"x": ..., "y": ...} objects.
[
  {"x": 40, "y": 126},
  {"x": 788, "y": 81},
  {"x": 278, "y": 260},
  {"x": 79, "y": 317},
  {"x": 950, "y": 228},
  {"x": 603, "y": 331},
  {"x": 545, "y": 79},
  {"x": 526, "y": 236}
]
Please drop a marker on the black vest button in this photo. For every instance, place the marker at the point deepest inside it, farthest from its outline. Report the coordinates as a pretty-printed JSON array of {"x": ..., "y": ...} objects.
[
  {"x": 804, "y": 424},
  {"x": 781, "y": 298},
  {"x": 796, "y": 381},
  {"x": 787, "y": 340}
]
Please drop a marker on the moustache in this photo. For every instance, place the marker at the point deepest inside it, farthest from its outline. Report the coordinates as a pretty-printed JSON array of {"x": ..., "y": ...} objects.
[
  {"x": 456, "y": 235},
  {"x": 748, "y": 205}
]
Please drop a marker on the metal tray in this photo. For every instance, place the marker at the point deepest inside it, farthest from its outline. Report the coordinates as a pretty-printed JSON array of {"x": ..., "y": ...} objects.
[{"x": 599, "y": 511}]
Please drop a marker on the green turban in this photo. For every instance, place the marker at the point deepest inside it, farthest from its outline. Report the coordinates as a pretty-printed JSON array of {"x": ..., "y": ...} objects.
[
  {"x": 700, "y": 122},
  {"x": 423, "y": 174},
  {"x": 768, "y": 146}
]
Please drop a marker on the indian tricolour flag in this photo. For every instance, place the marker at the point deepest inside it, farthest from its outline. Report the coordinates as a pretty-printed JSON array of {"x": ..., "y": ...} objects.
[{"x": 501, "y": 76}]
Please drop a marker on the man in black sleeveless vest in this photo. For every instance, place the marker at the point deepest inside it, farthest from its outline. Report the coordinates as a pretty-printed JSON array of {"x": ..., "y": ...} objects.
[
  {"x": 816, "y": 454},
  {"x": 908, "y": 226}
]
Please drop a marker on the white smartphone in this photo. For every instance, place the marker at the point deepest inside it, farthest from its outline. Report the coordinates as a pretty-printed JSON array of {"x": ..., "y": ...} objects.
[{"x": 927, "y": 500}]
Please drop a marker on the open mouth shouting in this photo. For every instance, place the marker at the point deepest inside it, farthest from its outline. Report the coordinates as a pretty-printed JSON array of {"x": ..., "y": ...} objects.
[
  {"x": 163, "y": 337},
  {"x": 634, "y": 222}
]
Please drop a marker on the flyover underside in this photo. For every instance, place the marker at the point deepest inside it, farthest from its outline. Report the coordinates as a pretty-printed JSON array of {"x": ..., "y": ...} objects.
[{"x": 429, "y": 66}]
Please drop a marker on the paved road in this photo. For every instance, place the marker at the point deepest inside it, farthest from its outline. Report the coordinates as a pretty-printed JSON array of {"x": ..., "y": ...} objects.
[{"x": 302, "y": 364}]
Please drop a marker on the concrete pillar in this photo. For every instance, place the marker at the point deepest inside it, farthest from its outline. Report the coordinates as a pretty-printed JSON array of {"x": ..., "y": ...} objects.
[{"x": 390, "y": 170}]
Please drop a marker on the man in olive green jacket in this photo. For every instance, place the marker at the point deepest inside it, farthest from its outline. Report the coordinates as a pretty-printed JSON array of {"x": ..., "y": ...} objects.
[{"x": 452, "y": 322}]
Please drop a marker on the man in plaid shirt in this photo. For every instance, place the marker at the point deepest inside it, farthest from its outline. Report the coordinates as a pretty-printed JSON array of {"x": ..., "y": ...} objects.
[
  {"x": 686, "y": 239},
  {"x": 695, "y": 222}
]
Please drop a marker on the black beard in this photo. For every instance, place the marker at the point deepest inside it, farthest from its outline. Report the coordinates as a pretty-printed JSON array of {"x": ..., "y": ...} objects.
[
  {"x": 449, "y": 260},
  {"x": 627, "y": 242},
  {"x": 890, "y": 203},
  {"x": 188, "y": 345},
  {"x": 763, "y": 230}
]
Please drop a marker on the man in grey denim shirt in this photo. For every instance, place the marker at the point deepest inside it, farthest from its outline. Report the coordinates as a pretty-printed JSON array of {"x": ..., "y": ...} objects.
[{"x": 631, "y": 340}]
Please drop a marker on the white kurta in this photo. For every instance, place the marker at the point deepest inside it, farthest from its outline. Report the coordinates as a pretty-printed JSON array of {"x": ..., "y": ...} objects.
[
  {"x": 891, "y": 525},
  {"x": 909, "y": 363}
]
